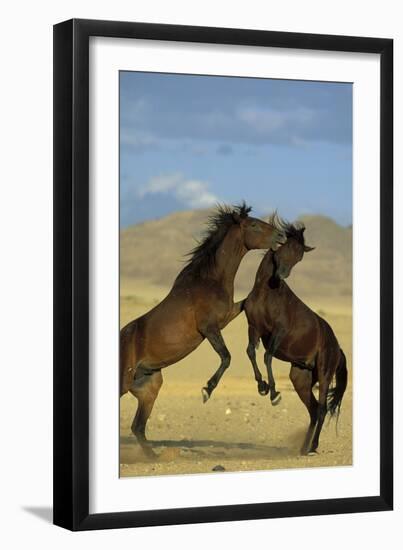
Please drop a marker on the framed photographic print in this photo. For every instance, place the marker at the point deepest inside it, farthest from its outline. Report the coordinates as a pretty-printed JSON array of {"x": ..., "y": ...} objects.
[{"x": 223, "y": 319}]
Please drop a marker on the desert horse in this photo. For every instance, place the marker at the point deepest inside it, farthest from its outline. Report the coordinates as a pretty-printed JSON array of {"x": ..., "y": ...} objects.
[
  {"x": 292, "y": 332},
  {"x": 199, "y": 305}
]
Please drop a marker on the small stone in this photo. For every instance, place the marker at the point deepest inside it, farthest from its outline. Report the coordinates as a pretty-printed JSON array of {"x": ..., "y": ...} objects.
[
  {"x": 218, "y": 468},
  {"x": 228, "y": 411}
]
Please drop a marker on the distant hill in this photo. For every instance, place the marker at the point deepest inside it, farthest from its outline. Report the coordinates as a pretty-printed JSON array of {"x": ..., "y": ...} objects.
[{"x": 155, "y": 251}]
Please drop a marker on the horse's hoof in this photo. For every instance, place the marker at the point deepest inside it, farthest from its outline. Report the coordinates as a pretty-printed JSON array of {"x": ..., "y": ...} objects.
[
  {"x": 147, "y": 449},
  {"x": 263, "y": 388},
  {"x": 150, "y": 454},
  {"x": 276, "y": 399},
  {"x": 205, "y": 395},
  {"x": 312, "y": 453}
]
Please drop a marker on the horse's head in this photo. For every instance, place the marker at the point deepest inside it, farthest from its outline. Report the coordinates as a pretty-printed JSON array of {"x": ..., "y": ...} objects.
[
  {"x": 291, "y": 252},
  {"x": 257, "y": 233}
]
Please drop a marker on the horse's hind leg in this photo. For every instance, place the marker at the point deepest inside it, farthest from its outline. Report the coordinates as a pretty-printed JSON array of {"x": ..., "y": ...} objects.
[
  {"x": 325, "y": 375},
  {"x": 145, "y": 388},
  {"x": 303, "y": 380},
  {"x": 215, "y": 338}
]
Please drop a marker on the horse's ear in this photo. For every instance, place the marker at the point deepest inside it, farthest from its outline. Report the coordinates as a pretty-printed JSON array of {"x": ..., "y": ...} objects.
[
  {"x": 308, "y": 248},
  {"x": 236, "y": 217}
]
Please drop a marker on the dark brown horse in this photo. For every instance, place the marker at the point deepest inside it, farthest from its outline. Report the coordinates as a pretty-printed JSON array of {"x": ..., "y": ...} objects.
[
  {"x": 199, "y": 305},
  {"x": 292, "y": 332}
]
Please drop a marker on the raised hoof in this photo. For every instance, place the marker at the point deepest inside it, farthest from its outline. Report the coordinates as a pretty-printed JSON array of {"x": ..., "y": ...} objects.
[
  {"x": 205, "y": 395},
  {"x": 276, "y": 399},
  {"x": 263, "y": 388}
]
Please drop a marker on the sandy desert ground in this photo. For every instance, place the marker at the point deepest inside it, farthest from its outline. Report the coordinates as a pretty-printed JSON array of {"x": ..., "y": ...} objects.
[{"x": 236, "y": 429}]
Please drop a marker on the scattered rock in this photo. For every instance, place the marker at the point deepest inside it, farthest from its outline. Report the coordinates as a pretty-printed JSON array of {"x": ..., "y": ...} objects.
[
  {"x": 218, "y": 468},
  {"x": 228, "y": 411}
]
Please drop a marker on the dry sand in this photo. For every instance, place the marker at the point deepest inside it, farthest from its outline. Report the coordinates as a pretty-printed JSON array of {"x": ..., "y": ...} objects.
[{"x": 236, "y": 429}]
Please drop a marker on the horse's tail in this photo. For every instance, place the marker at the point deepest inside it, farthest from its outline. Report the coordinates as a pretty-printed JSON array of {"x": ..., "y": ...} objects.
[
  {"x": 335, "y": 395},
  {"x": 127, "y": 357}
]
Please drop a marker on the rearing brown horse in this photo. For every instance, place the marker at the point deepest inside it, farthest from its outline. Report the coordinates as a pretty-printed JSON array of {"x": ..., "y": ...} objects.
[
  {"x": 292, "y": 332},
  {"x": 199, "y": 305}
]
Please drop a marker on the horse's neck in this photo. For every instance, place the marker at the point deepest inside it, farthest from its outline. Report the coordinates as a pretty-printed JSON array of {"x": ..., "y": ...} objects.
[
  {"x": 265, "y": 271},
  {"x": 229, "y": 256}
]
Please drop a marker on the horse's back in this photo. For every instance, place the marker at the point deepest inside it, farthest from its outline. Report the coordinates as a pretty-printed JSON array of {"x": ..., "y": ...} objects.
[{"x": 174, "y": 317}]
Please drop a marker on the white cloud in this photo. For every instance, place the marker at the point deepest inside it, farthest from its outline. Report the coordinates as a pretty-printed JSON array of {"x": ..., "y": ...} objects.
[
  {"x": 266, "y": 121},
  {"x": 160, "y": 184},
  {"x": 138, "y": 142},
  {"x": 190, "y": 192}
]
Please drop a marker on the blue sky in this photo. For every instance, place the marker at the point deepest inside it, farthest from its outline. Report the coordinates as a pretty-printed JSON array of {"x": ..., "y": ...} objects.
[{"x": 191, "y": 141}]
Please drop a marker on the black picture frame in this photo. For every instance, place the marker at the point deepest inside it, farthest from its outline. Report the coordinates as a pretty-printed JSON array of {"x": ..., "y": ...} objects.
[{"x": 71, "y": 274}]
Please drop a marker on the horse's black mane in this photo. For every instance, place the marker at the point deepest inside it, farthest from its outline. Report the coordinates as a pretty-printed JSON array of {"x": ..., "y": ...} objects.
[
  {"x": 292, "y": 230},
  {"x": 202, "y": 257}
]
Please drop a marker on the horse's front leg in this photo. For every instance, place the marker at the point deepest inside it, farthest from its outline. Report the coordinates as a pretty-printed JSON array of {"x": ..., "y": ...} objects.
[
  {"x": 271, "y": 343},
  {"x": 214, "y": 336},
  {"x": 254, "y": 336}
]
